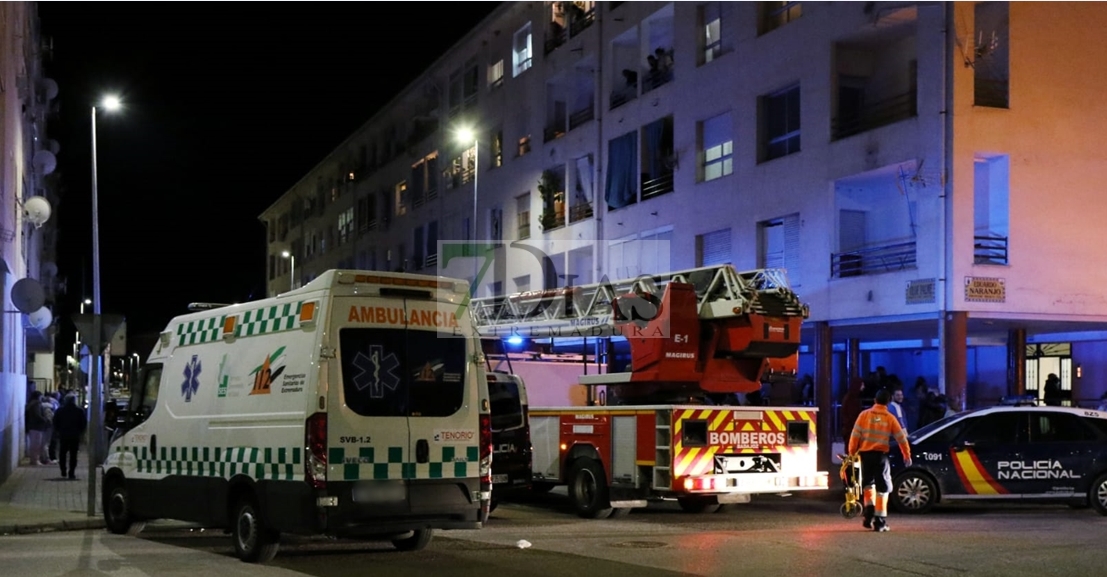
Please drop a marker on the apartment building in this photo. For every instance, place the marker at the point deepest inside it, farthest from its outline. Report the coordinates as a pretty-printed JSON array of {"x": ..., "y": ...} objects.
[
  {"x": 27, "y": 243},
  {"x": 927, "y": 173}
]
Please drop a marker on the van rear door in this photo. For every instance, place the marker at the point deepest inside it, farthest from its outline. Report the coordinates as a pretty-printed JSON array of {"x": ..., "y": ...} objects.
[{"x": 406, "y": 411}]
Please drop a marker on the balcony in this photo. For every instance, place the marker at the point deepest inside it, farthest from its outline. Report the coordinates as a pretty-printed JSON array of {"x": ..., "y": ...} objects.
[
  {"x": 656, "y": 79},
  {"x": 989, "y": 249},
  {"x": 556, "y": 36},
  {"x": 580, "y": 211},
  {"x": 553, "y": 132},
  {"x": 553, "y": 218},
  {"x": 579, "y": 22},
  {"x": 524, "y": 231},
  {"x": 875, "y": 115},
  {"x": 621, "y": 96},
  {"x": 581, "y": 116},
  {"x": 991, "y": 93},
  {"x": 459, "y": 176},
  {"x": 657, "y": 186},
  {"x": 874, "y": 260}
]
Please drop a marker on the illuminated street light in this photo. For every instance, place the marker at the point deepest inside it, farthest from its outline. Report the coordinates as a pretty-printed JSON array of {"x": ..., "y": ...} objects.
[{"x": 291, "y": 269}]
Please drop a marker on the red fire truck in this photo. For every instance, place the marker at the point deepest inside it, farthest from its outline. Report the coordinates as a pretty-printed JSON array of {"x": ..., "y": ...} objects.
[{"x": 674, "y": 426}]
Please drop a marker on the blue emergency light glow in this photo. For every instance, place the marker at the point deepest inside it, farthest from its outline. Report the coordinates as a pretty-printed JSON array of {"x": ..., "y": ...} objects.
[{"x": 515, "y": 340}]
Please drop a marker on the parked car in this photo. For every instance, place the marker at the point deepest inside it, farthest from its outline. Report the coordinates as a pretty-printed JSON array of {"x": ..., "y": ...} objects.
[{"x": 1038, "y": 453}]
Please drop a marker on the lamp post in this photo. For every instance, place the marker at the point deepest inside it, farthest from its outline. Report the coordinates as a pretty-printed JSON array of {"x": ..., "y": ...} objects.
[
  {"x": 96, "y": 405},
  {"x": 465, "y": 136},
  {"x": 291, "y": 269}
]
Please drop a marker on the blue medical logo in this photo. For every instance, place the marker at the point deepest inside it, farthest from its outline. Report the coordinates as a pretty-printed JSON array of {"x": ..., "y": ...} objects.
[
  {"x": 377, "y": 371},
  {"x": 192, "y": 378}
]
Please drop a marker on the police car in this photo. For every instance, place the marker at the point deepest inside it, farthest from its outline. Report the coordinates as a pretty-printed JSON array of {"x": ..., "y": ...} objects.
[{"x": 1040, "y": 453}]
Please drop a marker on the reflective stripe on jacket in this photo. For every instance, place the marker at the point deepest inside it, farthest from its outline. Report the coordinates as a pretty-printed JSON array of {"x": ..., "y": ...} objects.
[{"x": 873, "y": 430}]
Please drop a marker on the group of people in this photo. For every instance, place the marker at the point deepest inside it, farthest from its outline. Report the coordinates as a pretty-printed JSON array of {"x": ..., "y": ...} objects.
[{"x": 54, "y": 425}]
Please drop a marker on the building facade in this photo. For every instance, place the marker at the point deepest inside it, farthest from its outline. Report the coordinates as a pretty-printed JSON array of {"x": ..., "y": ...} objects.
[
  {"x": 27, "y": 241},
  {"x": 927, "y": 174}
]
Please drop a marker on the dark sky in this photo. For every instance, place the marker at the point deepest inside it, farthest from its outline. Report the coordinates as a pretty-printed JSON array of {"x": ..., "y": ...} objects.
[{"x": 227, "y": 105}]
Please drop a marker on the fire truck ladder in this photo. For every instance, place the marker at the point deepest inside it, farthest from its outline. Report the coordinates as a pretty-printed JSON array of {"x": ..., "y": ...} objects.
[{"x": 721, "y": 292}]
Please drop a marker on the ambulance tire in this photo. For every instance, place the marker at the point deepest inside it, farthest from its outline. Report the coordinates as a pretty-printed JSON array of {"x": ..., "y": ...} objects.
[
  {"x": 698, "y": 504},
  {"x": 1097, "y": 494},
  {"x": 117, "y": 510},
  {"x": 252, "y": 542},
  {"x": 588, "y": 489},
  {"x": 914, "y": 492},
  {"x": 418, "y": 540}
]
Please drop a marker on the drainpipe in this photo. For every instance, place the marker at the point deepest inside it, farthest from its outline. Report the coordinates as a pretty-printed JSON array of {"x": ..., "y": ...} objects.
[
  {"x": 598, "y": 181},
  {"x": 947, "y": 190}
]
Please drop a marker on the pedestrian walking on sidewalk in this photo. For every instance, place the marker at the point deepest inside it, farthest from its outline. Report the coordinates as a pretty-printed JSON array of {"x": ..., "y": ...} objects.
[
  {"x": 70, "y": 423},
  {"x": 872, "y": 433},
  {"x": 34, "y": 420}
]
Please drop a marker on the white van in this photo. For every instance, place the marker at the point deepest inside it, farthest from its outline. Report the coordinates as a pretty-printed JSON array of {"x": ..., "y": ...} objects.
[{"x": 355, "y": 406}]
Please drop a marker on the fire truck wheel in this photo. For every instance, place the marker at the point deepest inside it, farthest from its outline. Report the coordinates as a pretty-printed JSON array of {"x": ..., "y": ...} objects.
[
  {"x": 698, "y": 504},
  {"x": 588, "y": 489}
]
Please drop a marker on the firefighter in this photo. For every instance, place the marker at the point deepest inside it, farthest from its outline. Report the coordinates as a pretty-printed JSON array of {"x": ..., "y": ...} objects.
[{"x": 871, "y": 440}]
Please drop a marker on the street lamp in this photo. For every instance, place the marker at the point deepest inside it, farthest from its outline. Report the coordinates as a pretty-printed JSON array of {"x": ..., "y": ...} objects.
[
  {"x": 291, "y": 269},
  {"x": 110, "y": 103},
  {"x": 465, "y": 136}
]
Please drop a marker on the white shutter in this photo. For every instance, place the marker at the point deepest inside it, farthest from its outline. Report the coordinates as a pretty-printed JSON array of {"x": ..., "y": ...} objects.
[
  {"x": 792, "y": 248},
  {"x": 716, "y": 248}
]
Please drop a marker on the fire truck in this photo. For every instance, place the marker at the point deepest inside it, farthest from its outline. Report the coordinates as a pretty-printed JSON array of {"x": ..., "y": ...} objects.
[{"x": 677, "y": 424}]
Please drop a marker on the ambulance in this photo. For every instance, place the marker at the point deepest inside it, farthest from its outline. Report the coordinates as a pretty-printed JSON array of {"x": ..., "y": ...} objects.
[{"x": 355, "y": 406}]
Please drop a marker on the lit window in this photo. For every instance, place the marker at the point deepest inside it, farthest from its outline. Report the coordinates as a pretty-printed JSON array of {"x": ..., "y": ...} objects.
[
  {"x": 522, "y": 52},
  {"x": 718, "y": 147},
  {"x": 496, "y": 74}
]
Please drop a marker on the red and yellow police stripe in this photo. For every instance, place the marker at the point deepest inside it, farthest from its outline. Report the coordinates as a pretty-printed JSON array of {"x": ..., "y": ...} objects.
[
  {"x": 973, "y": 476},
  {"x": 692, "y": 461}
]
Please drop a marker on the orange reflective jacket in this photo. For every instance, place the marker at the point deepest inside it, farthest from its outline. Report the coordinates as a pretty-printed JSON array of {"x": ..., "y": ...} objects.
[{"x": 873, "y": 430}]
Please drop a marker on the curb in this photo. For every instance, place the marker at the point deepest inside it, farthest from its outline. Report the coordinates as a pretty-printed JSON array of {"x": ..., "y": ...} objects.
[{"x": 67, "y": 525}]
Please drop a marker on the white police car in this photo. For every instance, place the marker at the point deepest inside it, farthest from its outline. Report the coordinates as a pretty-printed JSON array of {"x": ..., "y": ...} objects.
[{"x": 1040, "y": 453}]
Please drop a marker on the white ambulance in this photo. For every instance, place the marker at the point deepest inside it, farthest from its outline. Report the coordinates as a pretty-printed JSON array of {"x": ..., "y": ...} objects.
[{"x": 355, "y": 406}]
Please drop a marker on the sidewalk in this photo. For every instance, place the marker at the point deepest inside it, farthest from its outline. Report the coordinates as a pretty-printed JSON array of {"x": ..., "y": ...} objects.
[{"x": 37, "y": 499}]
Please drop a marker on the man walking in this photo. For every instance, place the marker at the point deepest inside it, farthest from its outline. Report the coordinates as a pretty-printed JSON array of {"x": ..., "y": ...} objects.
[
  {"x": 70, "y": 424},
  {"x": 872, "y": 433}
]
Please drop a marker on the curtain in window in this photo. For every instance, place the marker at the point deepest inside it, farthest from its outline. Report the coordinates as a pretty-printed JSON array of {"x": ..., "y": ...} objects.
[
  {"x": 621, "y": 189},
  {"x": 583, "y": 189},
  {"x": 655, "y": 144}
]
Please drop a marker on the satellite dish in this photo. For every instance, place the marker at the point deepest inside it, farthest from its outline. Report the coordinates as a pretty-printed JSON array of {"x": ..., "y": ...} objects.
[
  {"x": 45, "y": 162},
  {"x": 27, "y": 295},
  {"x": 41, "y": 318},
  {"x": 53, "y": 146},
  {"x": 50, "y": 87},
  {"x": 37, "y": 209}
]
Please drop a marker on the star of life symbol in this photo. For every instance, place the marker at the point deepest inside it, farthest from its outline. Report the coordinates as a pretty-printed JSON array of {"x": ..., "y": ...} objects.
[
  {"x": 192, "y": 378},
  {"x": 377, "y": 371}
]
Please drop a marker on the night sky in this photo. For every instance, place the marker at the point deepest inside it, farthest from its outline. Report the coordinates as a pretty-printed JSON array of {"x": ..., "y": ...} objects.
[{"x": 227, "y": 105}]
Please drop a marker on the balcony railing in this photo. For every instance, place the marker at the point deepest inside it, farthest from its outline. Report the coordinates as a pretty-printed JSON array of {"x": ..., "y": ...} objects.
[
  {"x": 554, "y": 40},
  {"x": 874, "y": 260},
  {"x": 581, "y": 116},
  {"x": 876, "y": 115},
  {"x": 553, "y": 218},
  {"x": 524, "y": 231},
  {"x": 656, "y": 79},
  {"x": 581, "y": 22},
  {"x": 993, "y": 93},
  {"x": 580, "y": 211},
  {"x": 553, "y": 132},
  {"x": 657, "y": 186},
  {"x": 621, "y": 96},
  {"x": 989, "y": 249},
  {"x": 432, "y": 193}
]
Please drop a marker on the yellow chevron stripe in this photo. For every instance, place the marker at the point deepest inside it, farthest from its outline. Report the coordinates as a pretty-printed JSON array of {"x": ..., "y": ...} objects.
[
  {"x": 776, "y": 420},
  {"x": 686, "y": 460},
  {"x": 719, "y": 418},
  {"x": 687, "y": 414},
  {"x": 972, "y": 474},
  {"x": 705, "y": 464},
  {"x": 748, "y": 426},
  {"x": 789, "y": 416},
  {"x": 706, "y": 413}
]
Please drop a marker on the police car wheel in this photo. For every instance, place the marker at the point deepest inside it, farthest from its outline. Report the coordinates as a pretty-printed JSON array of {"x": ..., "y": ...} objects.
[
  {"x": 588, "y": 489},
  {"x": 418, "y": 540},
  {"x": 252, "y": 542},
  {"x": 1097, "y": 495},
  {"x": 914, "y": 492}
]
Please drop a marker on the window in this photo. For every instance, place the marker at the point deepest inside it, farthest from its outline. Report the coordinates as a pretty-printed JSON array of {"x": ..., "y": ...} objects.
[
  {"x": 991, "y": 208},
  {"x": 522, "y": 283},
  {"x": 991, "y": 55},
  {"x": 397, "y": 372},
  {"x": 497, "y": 149},
  {"x": 997, "y": 429},
  {"x": 463, "y": 87},
  {"x": 658, "y": 160},
  {"x": 711, "y": 25},
  {"x": 524, "y": 145},
  {"x": 522, "y": 51},
  {"x": 505, "y": 405},
  {"x": 778, "y": 245},
  {"x": 400, "y": 193},
  {"x": 345, "y": 226},
  {"x": 1058, "y": 428},
  {"x": 424, "y": 180},
  {"x": 417, "y": 249},
  {"x": 713, "y": 248},
  {"x": 621, "y": 187},
  {"x": 717, "y": 147},
  {"x": 781, "y": 112},
  {"x": 496, "y": 224},
  {"x": 777, "y": 14},
  {"x": 522, "y": 204},
  {"x": 496, "y": 74}
]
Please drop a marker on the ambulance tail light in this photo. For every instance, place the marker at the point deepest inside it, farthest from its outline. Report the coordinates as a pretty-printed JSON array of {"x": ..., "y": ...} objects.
[
  {"x": 486, "y": 449},
  {"x": 315, "y": 461}
]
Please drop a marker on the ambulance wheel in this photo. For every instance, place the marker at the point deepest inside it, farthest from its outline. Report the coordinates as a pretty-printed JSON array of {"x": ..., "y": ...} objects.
[
  {"x": 418, "y": 540},
  {"x": 914, "y": 492},
  {"x": 1097, "y": 495},
  {"x": 252, "y": 542},
  {"x": 588, "y": 489},
  {"x": 117, "y": 510},
  {"x": 698, "y": 504}
]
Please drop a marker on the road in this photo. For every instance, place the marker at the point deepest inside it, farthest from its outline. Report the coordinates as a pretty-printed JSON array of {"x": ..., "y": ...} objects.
[{"x": 771, "y": 536}]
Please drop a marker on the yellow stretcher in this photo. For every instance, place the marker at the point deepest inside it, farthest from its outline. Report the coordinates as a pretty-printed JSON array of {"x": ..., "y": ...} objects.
[{"x": 851, "y": 477}]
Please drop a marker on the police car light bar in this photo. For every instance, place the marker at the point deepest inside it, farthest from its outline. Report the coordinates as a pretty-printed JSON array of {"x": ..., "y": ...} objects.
[{"x": 1019, "y": 400}]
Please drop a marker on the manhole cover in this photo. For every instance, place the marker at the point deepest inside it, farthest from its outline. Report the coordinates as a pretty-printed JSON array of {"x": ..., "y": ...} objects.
[{"x": 638, "y": 544}]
